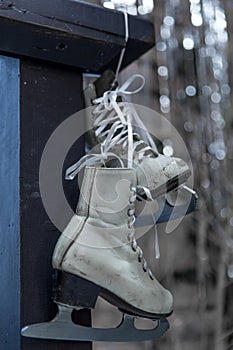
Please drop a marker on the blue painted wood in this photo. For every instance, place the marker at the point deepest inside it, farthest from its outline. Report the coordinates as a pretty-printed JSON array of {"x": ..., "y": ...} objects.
[{"x": 9, "y": 209}]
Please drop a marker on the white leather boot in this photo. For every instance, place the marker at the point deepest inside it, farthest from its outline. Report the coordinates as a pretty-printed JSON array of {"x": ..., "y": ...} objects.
[
  {"x": 98, "y": 247},
  {"x": 158, "y": 172}
]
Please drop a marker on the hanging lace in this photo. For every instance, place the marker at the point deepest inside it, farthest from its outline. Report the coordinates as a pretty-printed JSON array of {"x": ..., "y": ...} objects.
[
  {"x": 131, "y": 235},
  {"x": 113, "y": 122}
]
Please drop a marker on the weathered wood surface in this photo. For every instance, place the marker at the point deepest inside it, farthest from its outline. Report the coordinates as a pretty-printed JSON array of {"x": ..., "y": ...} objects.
[{"x": 74, "y": 33}]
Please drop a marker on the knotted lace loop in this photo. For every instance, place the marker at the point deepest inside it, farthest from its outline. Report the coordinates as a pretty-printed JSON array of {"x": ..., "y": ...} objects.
[{"x": 114, "y": 120}]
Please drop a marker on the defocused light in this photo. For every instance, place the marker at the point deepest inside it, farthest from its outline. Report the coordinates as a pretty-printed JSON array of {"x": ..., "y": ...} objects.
[
  {"x": 210, "y": 39},
  {"x": 165, "y": 33},
  {"x": 165, "y": 109},
  {"x": 220, "y": 123},
  {"x": 210, "y": 51},
  {"x": 216, "y": 115},
  {"x": 202, "y": 52},
  {"x": 224, "y": 212},
  {"x": 214, "y": 164},
  {"x": 196, "y": 19},
  {"x": 223, "y": 37},
  {"x": 195, "y": 8},
  {"x": 215, "y": 97},
  {"x": 168, "y": 21},
  {"x": 163, "y": 71},
  {"x": 205, "y": 183},
  {"x": 167, "y": 142},
  {"x": 217, "y": 60},
  {"x": 211, "y": 148},
  {"x": 231, "y": 221},
  {"x": 148, "y": 4},
  {"x": 168, "y": 151},
  {"x": 188, "y": 126},
  {"x": 208, "y": 10},
  {"x": 142, "y": 10},
  {"x": 225, "y": 89},
  {"x": 190, "y": 90},
  {"x": 161, "y": 46},
  {"x": 220, "y": 154},
  {"x": 164, "y": 101},
  {"x": 188, "y": 43},
  {"x": 173, "y": 43},
  {"x": 230, "y": 271},
  {"x": 206, "y": 90},
  {"x": 219, "y": 24},
  {"x": 218, "y": 74}
]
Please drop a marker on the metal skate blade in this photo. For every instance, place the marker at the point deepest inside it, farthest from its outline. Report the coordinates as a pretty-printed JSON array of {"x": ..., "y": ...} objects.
[
  {"x": 167, "y": 212},
  {"x": 62, "y": 328}
]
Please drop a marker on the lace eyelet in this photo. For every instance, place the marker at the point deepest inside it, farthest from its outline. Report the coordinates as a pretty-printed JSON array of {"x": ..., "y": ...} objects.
[
  {"x": 139, "y": 259},
  {"x": 145, "y": 270},
  {"x": 133, "y": 249}
]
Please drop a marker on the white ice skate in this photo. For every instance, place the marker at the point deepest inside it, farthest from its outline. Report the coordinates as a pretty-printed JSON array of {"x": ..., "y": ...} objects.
[
  {"x": 107, "y": 123},
  {"x": 97, "y": 255}
]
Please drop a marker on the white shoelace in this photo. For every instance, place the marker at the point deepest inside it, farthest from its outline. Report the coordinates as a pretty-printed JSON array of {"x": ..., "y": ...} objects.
[
  {"x": 89, "y": 160},
  {"x": 113, "y": 122},
  {"x": 131, "y": 235},
  {"x": 120, "y": 116}
]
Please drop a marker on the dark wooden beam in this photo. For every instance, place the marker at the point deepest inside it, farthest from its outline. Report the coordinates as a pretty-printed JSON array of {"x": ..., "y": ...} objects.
[
  {"x": 74, "y": 33},
  {"x": 10, "y": 204},
  {"x": 48, "y": 95}
]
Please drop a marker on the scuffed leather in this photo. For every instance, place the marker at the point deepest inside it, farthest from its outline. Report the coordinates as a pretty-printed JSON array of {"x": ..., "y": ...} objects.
[{"x": 95, "y": 243}]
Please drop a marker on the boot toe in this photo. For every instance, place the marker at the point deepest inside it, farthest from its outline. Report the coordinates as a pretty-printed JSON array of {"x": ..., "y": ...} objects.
[{"x": 168, "y": 303}]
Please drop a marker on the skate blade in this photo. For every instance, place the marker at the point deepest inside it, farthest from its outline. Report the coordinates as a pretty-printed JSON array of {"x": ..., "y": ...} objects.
[
  {"x": 62, "y": 328},
  {"x": 167, "y": 212}
]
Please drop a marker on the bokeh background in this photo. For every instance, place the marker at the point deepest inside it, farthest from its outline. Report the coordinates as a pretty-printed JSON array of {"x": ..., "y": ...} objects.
[{"x": 189, "y": 81}]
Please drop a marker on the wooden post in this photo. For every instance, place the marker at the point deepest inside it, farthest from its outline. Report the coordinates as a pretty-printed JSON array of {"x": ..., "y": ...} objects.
[{"x": 51, "y": 44}]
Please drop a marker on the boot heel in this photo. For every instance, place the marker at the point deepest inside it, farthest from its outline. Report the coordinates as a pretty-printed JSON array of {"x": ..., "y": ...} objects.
[{"x": 74, "y": 291}]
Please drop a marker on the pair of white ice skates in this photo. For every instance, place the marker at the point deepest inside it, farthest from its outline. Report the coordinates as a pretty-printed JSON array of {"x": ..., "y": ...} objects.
[{"x": 97, "y": 254}]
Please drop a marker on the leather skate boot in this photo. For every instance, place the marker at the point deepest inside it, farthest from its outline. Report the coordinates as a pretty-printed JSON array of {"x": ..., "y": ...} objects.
[
  {"x": 97, "y": 251},
  {"x": 107, "y": 127}
]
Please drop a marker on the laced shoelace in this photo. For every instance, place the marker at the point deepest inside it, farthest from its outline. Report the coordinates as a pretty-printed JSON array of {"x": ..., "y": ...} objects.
[
  {"x": 119, "y": 116},
  {"x": 113, "y": 122},
  {"x": 131, "y": 235}
]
